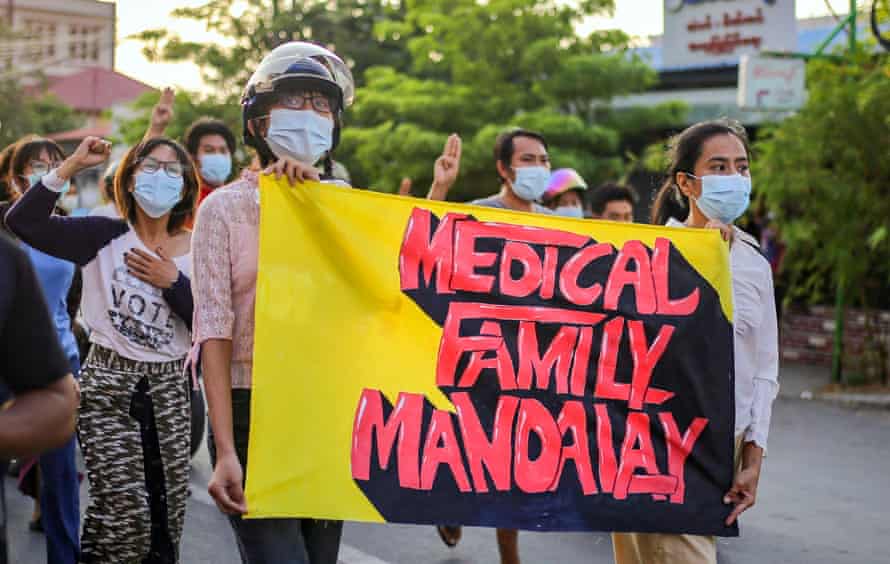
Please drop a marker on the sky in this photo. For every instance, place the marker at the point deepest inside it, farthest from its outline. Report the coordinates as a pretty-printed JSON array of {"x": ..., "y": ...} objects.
[{"x": 639, "y": 18}]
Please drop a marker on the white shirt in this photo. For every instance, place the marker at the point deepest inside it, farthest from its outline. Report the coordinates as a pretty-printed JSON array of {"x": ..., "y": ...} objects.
[
  {"x": 128, "y": 315},
  {"x": 124, "y": 313},
  {"x": 106, "y": 210},
  {"x": 756, "y": 337}
]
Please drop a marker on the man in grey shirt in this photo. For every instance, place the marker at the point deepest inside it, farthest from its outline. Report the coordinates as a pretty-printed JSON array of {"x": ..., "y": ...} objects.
[{"x": 523, "y": 166}]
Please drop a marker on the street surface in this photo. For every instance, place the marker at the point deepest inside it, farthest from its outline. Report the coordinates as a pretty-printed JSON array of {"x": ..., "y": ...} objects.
[{"x": 824, "y": 499}]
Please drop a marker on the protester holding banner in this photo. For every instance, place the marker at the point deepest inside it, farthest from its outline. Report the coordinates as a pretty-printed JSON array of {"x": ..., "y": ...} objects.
[
  {"x": 52, "y": 480},
  {"x": 613, "y": 202},
  {"x": 565, "y": 193},
  {"x": 134, "y": 413},
  {"x": 292, "y": 107},
  {"x": 709, "y": 186}
]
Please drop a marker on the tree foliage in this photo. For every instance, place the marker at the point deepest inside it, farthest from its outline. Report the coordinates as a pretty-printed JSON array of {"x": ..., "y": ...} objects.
[
  {"x": 255, "y": 27},
  {"x": 478, "y": 68},
  {"x": 186, "y": 109},
  {"x": 428, "y": 68},
  {"x": 21, "y": 114},
  {"x": 826, "y": 175}
]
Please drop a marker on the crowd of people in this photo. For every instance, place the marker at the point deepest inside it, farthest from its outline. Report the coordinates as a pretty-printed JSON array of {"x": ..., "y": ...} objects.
[{"x": 161, "y": 279}]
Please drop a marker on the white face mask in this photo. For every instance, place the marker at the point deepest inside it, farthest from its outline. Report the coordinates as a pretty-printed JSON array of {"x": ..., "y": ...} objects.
[
  {"x": 299, "y": 134},
  {"x": 724, "y": 197},
  {"x": 531, "y": 182},
  {"x": 570, "y": 211},
  {"x": 68, "y": 202}
]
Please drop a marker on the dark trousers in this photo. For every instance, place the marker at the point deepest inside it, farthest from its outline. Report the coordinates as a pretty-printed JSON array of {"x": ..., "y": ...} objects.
[
  {"x": 60, "y": 498},
  {"x": 60, "y": 504},
  {"x": 4, "y": 558},
  {"x": 276, "y": 541}
]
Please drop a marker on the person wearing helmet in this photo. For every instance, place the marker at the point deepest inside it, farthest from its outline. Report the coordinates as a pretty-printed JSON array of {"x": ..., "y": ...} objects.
[
  {"x": 565, "y": 193},
  {"x": 291, "y": 108}
]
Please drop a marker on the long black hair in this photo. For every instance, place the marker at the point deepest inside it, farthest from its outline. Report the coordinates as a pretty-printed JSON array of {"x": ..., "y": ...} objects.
[{"x": 684, "y": 151}]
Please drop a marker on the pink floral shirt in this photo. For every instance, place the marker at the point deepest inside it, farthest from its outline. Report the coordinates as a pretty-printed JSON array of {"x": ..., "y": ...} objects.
[{"x": 225, "y": 246}]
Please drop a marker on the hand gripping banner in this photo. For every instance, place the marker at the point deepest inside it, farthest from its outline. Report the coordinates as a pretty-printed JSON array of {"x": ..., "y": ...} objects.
[{"x": 430, "y": 362}]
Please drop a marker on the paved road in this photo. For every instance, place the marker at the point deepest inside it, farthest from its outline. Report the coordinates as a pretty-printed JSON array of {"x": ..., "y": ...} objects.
[{"x": 824, "y": 499}]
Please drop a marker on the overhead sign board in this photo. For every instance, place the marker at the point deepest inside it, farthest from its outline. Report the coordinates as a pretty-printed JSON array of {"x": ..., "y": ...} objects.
[
  {"x": 769, "y": 83},
  {"x": 704, "y": 33}
]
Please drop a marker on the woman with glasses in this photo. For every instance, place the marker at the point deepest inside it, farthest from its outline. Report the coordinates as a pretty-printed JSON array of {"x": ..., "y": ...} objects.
[
  {"x": 52, "y": 479},
  {"x": 134, "y": 411}
]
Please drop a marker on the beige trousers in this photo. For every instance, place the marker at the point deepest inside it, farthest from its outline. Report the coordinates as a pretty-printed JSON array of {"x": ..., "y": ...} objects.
[{"x": 661, "y": 548}]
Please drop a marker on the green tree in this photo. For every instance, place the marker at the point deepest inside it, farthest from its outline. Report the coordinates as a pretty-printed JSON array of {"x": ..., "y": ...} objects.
[
  {"x": 477, "y": 68},
  {"x": 348, "y": 25},
  {"x": 186, "y": 109},
  {"x": 21, "y": 114},
  {"x": 826, "y": 175},
  {"x": 427, "y": 68}
]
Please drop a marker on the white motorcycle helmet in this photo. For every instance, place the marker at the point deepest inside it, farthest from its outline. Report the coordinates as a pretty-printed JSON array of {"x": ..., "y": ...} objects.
[{"x": 301, "y": 65}]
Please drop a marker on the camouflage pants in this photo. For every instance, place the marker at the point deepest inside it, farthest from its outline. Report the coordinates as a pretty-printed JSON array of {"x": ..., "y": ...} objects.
[{"x": 134, "y": 432}]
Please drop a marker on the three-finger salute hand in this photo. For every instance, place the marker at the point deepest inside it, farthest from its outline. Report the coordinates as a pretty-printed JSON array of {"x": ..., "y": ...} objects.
[
  {"x": 162, "y": 113},
  {"x": 447, "y": 166},
  {"x": 446, "y": 169}
]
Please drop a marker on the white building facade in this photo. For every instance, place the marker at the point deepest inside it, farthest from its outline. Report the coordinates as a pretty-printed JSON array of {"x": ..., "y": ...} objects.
[{"x": 56, "y": 37}]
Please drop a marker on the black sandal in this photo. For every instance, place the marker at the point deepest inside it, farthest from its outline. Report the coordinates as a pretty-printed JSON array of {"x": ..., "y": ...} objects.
[{"x": 449, "y": 535}]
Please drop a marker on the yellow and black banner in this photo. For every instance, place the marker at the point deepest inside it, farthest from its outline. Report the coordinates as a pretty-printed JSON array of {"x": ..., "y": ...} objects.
[{"x": 430, "y": 362}]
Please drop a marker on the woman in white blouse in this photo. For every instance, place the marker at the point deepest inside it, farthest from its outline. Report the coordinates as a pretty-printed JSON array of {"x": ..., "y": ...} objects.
[{"x": 709, "y": 186}]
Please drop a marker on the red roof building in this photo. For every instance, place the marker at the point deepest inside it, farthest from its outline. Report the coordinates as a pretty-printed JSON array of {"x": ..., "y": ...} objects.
[
  {"x": 100, "y": 128},
  {"x": 96, "y": 89}
]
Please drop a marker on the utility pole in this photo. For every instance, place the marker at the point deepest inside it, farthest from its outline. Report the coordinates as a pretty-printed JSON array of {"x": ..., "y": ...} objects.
[{"x": 840, "y": 298}]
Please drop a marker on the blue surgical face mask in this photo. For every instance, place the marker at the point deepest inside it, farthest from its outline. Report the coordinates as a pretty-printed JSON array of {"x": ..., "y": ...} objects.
[
  {"x": 216, "y": 168},
  {"x": 68, "y": 202},
  {"x": 33, "y": 179},
  {"x": 531, "y": 182},
  {"x": 570, "y": 211},
  {"x": 303, "y": 135},
  {"x": 156, "y": 192},
  {"x": 724, "y": 198}
]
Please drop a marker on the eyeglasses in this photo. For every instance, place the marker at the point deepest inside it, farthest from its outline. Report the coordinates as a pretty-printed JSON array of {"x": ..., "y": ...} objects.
[
  {"x": 41, "y": 168},
  {"x": 299, "y": 101},
  {"x": 174, "y": 169}
]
